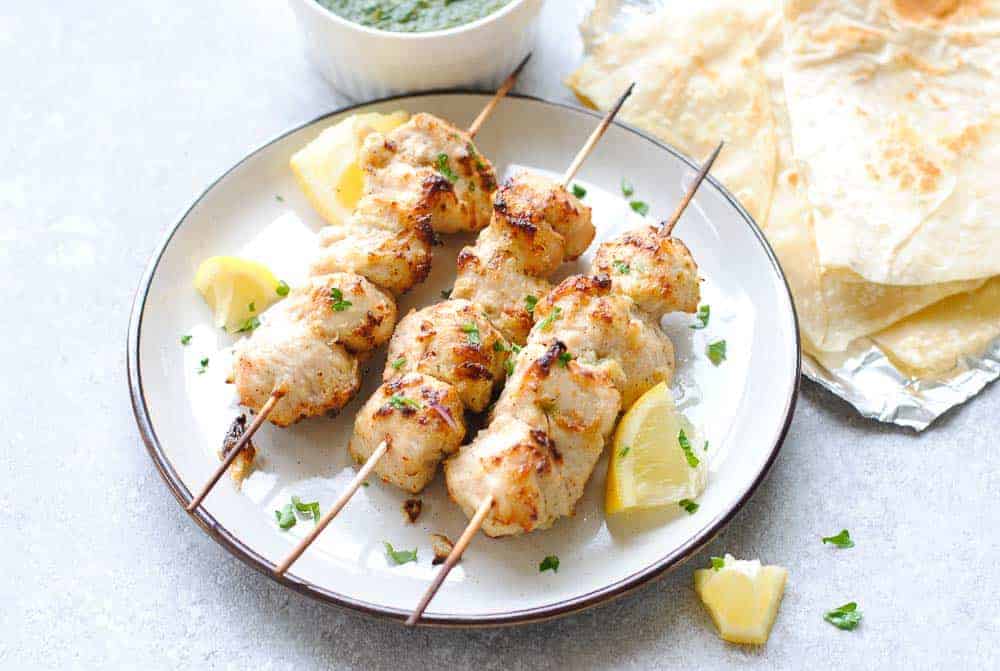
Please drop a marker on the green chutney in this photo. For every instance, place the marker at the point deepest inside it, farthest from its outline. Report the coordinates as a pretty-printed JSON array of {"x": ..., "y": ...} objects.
[{"x": 412, "y": 16}]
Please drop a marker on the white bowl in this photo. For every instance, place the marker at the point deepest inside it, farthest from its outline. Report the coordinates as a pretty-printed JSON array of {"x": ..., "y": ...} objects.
[{"x": 364, "y": 63}]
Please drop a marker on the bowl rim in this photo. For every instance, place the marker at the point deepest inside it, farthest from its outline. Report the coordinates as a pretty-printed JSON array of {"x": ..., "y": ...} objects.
[
  {"x": 329, "y": 15},
  {"x": 602, "y": 595}
]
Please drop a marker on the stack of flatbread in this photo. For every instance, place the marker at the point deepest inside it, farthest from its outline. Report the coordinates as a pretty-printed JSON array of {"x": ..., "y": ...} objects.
[{"x": 861, "y": 134}]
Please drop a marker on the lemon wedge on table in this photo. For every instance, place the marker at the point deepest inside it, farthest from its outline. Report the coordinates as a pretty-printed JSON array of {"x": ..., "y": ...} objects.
[
  {"x": 327, "y": 168},
  {"x": 237, "y": 290},
  {"x": 742, "y": 597},
  {"x": 657, "y": 457}
]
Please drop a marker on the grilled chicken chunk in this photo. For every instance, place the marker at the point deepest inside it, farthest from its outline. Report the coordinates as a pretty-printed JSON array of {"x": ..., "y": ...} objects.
[
  {"x": 409, "y": 413},
  {"x": 454, "y": 342}
]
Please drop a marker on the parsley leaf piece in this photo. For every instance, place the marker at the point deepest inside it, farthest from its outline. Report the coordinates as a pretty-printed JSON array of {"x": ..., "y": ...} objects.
[
  {"x": 471, "y": 332},
  {"x": 279, "y": 198},
  {"x": 498, "y": 346},
  {"x": 846, "y": 617},
  {"x": 624, "y": 451},
  {"x": 704, "y": 312},
  {"x": 445, "y": 169},
  {"x": 249, "y": 325},
  {"x": 185, "y": 340},
  {"x": 469, "y": 147},
  {"x": 621, "y": 266},
  {"x": 718, "y": 563},
  {"x": 689, "y": 506},
  {"x": 530, "y": 302},
  {"x": 627, "y": 188},
  {"x": 547, "y": 322},
  {"x": 685, "y": 444},
  {"x": 337, "y": 302},
  {"x": 509, "y": 365},
  {"x": 565, "y": 358},
  {"x": 399, "y": 363},
  {"x": 579, "y": 191},
  {"x": 204, "y": 366},
  {"x": 399, "y": 556},
  {"x": 841, "y": 540},
  {"x": 716, "y": 352},
  {"x": 285, "y": 517},
  {"x": 282, "y": 288},
  {"x": 252, "y": 307},
  {"x": 705, "y": 447},
  {"x": 402, "y": 402},
  {"x": 446, "y": 293},
  {"x": 311, "y": 508},
  {"x": 640, "y": 207},
  {"x": 550, "y": 563}
]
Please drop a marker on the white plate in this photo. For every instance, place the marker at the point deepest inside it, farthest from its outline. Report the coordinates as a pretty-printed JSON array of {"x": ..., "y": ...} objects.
[{"x": 743, "y": 406}]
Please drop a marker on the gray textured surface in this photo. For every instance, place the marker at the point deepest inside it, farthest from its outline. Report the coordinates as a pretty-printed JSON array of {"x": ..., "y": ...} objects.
[{"x": 115, "y": 115}]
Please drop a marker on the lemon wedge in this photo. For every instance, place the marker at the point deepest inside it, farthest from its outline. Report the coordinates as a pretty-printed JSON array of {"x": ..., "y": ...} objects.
[
  {"x": 327, "y": 168},
  {"x": 742, "y": 597},
  {"x": 658, "y": 458},
  {"x": 237, "y": 290}
]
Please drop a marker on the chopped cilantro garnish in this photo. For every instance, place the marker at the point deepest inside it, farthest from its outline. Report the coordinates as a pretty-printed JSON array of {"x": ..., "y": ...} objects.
[
  {"x": 624, "y": 451},
  {"x": 498, "y": 346},
  {"x": 550, "y": 563},
  {"x": 718, "y": 563},
  {"x": 688, "y": 505},
  {"x": 249, "y": 325},
  {"x": 279, "y": 198},
  {"x": 399, "y": 556},
  {"x": 841, "y": 540},
  {"x": 185, "y": 340},
  {"x": 400, "y": 402},
  {"x": 204, "y": 365},
  {"x": 311, "y": 508},
  {"x": 565, "y": 358},
  {"x": 685, "y": 444},
  {"x": 282, "y": 288},
  {"x": 553, "y": 316},
  {"x": 509, "y": 365},
  {"x": 627, "y": 188},
  {"x": 471, "y": 331},
  {"x": 285, "y": 517},
  {"x": 530, "y": 302},
  {"x": 472, "y": 152},
  {"x": 621, "y": 266},
  {"x": 446, "y": 294},
  {"x": 846, "y": 617},
  {"x": 640, "y": 207},
  {"x": 704, "y": 312},
  {"x": 445, "y": 169},
  {"x": 579, "y": 191},
  {"x": 337, "y": 302},
  {"x": 716, "y": 352},
  {"x": 399, "y": 363},
  {"x": 252, "y": 307}
]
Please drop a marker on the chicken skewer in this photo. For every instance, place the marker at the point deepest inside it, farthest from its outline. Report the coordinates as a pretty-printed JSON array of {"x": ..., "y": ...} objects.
[
  {"x": 424, "y": 177},
  {"x": 595, "y": 348},
  {"x": 449, "y": 357}
]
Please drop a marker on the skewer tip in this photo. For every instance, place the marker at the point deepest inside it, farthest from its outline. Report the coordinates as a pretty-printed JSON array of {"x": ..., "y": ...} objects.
[
  {"x": 668, "y": 226},
  {"x": 520, "y": 66}
]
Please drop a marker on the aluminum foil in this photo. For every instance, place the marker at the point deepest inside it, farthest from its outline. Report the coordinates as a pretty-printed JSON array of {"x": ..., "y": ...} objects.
[
  {"x": 863, "y": 376},
  {"x": 866, "y": 379}
]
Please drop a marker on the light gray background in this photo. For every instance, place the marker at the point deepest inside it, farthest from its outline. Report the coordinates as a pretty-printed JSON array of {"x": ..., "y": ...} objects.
[{"x": 115, "y": 115}]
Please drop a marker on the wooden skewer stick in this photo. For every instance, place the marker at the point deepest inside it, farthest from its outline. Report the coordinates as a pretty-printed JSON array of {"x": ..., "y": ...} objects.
[
  {"x": 504, "y": 89},
  {"x": 238, "y": 447},
  {"x": 356, "y": 483},
  {"x": 592, "y": 141},
  {"x": 484, "y": 507},
  {"x": 453, "y": 557},
  {"x": 668, "y": 226},
  {"x": 266, "y": 409}
]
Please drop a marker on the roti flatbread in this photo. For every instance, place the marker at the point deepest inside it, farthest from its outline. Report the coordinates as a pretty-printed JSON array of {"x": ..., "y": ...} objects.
[
  {"x": 894, "y": 115},
  {"x": 698, "y": 81}
]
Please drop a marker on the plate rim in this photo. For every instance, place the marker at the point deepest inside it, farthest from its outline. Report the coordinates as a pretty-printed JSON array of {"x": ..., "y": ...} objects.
[{"x": 250, "y": 557}]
